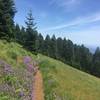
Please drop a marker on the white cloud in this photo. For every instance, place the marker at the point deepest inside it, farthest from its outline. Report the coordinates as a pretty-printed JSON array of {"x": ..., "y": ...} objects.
[
  {"x": 88, "y": 37},
  {"x": 66, "y": 4},
  {"x": 78, "y": 21}
]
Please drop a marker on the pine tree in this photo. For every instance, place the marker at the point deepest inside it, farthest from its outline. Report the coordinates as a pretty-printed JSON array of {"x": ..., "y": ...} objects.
[
  {"x": 47, "y": 46},
  {"x": 39, "y": 44},
  {"x": 31, "y": 32},
  {"x": 20, "y": 34},
  {"x": 17, "y": 33},
  {"x": 67, "y": 51},
  {"x": 84, "y": 60},
  {"x": 59, "y": 48},
  {"x": 96, "y": 63},
  {"x": 53, "y": 47},
  {"x": 7, "y": 13},
  {"x": 76, "y": 56},
  {"x": 23, "y": 36}
]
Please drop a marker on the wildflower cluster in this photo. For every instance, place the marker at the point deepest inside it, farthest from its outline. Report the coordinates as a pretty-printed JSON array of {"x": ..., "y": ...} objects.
[
  {"x": 27, "y": 59},
  {"x": 29, "y": 63},
  {"x": 17, "y": 82},
  {"x": 6, "y": 67}
]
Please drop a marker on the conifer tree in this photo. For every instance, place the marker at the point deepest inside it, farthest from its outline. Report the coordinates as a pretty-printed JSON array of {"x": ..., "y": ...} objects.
[
  {"x": 31, "y": 32},
  {"x": 17, "y": 33},
  {"x": 39, "y": 43},
  {"x": 7, "y": 13},
  {"x": 47, "y": 45},
  {"x": 96, "y": 63},
  {"x": 53, "y": 46}
]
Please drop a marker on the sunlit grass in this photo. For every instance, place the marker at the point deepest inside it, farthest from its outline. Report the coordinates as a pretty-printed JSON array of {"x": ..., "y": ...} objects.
[
  {"x": 61, "y": 82},
  {"x": 70, "y": 84}
]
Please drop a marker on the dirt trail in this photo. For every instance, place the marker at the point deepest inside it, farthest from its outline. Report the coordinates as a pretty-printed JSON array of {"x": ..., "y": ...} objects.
[{"x": 38, "y": 87}]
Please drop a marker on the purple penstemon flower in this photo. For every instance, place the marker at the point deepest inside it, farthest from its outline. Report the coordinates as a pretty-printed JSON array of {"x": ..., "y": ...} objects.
[
  {"x": 21, "y": 94},
  {"x": 7, "y": 68},
  {"x": 30, "y": 67},
  {"x": 27, "y": 59},
  {"x": 2, "y": 62}
]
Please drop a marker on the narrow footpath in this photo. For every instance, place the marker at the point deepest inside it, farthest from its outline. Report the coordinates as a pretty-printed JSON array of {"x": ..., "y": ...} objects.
[{"x": 38, "y": 93}]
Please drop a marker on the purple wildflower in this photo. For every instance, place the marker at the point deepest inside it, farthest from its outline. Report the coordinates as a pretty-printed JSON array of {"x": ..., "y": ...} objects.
[
  {"x": 21, "y": 94},
  {"x": 30, "y": 67},
  {"x": 7, "y": 68},
  {"x": 1, "y": 62},
  {"x": 27, "y": 59}
]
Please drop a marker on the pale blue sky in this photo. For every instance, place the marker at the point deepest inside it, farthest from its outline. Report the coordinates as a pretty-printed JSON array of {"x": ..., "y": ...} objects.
[{"x": 78, "y": 20}]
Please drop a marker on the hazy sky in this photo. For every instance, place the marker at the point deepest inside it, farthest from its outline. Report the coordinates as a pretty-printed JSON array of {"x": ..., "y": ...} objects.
[{"x": 78, "y": 20}]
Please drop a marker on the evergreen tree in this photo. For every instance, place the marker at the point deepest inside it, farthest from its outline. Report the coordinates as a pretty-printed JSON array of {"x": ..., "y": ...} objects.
[
  {"x": 76, "y": 57},
  {"x": 84, "y": 58},
  {"x": 47, "y": 45},
  {"x": 39, "y": 44},
  {"x": 23, "y": 36},
  {"x": 31, "y": 32},
  {"x": 17, "y": 33},
  {"x": 96, "y": 63},
  {"x": 59, "y": 48},
  {"x": 7, "y": 13},
  {"x": 68, "y": 51},
  {"x": 53, "y": 47}
]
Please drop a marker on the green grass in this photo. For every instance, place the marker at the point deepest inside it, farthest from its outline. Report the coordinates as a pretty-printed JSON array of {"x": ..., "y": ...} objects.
[
  {"x": 9, "y": 52},
  {"x": 20, "y": 81},
  {"x": 61, "y": 82},
  {"x": 67, "y": 83}
]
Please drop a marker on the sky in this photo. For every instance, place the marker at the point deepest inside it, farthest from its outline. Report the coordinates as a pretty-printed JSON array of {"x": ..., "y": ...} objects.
[{"x": 77, "y": 20}]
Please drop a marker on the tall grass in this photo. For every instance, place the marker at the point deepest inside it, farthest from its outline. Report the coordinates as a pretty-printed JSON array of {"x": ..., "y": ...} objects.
[{"x": 62, "y": 82}]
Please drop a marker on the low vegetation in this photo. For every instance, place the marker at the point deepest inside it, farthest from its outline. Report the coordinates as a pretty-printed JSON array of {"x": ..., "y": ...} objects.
[
  {"x": 16, "y": 75},
  {"x": 61, "y": 82}
]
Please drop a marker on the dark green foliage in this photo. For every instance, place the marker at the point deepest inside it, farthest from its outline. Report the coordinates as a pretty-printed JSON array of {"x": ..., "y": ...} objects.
[
  {"x": 39, "y": 44},
  {"x": 31, "y": 33},
  {"x": 20, "y": 34},
  {"x": 96, "y": 63},
  {"x": 67, "y": 51},
  {"x": 17, "y": 33},
  {"x": 59, "y": 50},
  {"x": 47, "y": 45},
  {"x": 85, "y": 58},
  {"x": 53, "y": 46},
  {"x": 50, "y": 46},
  {"x": 7, "y": 12}
]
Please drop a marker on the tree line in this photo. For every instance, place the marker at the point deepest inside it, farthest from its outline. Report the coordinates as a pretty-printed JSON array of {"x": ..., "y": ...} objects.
[{"x": 62, "y": 49}]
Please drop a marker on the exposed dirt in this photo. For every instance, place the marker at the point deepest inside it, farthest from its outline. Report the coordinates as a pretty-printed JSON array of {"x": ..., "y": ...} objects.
[{"x": 38, "y": 93}]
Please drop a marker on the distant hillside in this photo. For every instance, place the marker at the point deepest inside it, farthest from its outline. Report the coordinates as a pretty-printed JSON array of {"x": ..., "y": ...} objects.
[{"x": 61, "y": 82}]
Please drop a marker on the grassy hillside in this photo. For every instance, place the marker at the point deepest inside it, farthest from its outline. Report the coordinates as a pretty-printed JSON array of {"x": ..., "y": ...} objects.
[
  {"x": 15, "y": 79},
  {"x": 61, "y": 82}
]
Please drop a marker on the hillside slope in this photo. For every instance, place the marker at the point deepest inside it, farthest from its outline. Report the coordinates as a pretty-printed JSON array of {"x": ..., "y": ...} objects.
[
  {"x": 61, "y": 82},
  {"x": 16, "y": 78}
]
